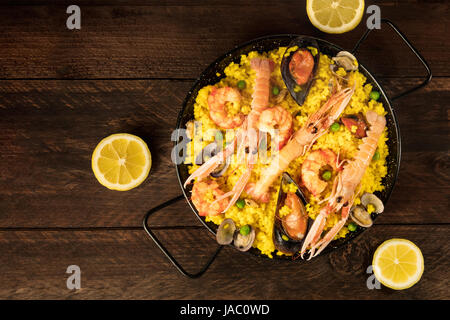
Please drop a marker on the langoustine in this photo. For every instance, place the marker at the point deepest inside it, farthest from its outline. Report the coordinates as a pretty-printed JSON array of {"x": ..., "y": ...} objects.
[
  {"x": 248, "y": 136},
  {"x": 344, "y": 188}
]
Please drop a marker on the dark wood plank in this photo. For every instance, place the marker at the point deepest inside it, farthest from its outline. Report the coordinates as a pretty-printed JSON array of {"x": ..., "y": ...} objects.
[
  {"x": 127, "y": 265},
  {"x": 179, "y": 39},
  {"x": 48, "y": 144},
  {"x": 50, "y": 128}
]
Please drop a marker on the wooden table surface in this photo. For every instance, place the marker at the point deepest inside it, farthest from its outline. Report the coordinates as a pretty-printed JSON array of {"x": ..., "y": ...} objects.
[{"x": 128, "y": 70}]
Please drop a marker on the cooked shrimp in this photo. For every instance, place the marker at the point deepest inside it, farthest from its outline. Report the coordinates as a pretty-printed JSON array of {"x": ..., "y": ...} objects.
[
  {"x": 217, "y": 101},
  {"x": 317, "y": 125},
  {"x": 276, "y": 119},
  {"x": 296, "y": 222},
  {"x": 301, "y": 66},
  {"x": 344, "y": 188},
  {"x": 315, "y": 161},
  {"x": 204, "y": 194}
]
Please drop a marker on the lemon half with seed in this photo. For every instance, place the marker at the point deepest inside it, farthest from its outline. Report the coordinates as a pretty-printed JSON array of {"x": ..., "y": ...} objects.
[
  {"x": 121, "y": 161},
  {"x": 335, "y": 16},
  {"x": 398, "y": 264}
]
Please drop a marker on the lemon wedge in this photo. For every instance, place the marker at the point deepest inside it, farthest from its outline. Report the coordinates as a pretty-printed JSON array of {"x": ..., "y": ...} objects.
[
  {"x": 121, "y": 161},
  {"x": 335, "y": 16},
  {"x": 398, "y": 264}
]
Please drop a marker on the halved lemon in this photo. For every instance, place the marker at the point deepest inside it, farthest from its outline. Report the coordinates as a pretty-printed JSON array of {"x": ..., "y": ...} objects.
[
  {"x": 398, "y": 264},
  {"x": 335, "y": 16},
  {"x": 121, "y": 161}
]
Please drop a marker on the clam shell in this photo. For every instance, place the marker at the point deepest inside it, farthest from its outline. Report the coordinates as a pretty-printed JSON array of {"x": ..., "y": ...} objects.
[
  {"x": 361, "y": 217},
  {"x": 346, "y": 60},
  {"x": 225, "y": 232},
  {"x": 244, "y": 243},
  {"x": 370, "y": 198}
]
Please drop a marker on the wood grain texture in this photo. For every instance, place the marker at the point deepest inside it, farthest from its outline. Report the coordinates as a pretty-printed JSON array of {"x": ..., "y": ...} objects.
[
  {"x": 178, "y": 39},
  {"x": 128, "y": 70},
  {"x": 125, "y": 264},
  {"x": 50, "y": 129}
]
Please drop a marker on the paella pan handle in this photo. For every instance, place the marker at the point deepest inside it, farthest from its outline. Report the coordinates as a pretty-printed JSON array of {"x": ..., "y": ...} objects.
[
  {"x": 165, "y": 251},
  {"x": 411, "y": 47}
]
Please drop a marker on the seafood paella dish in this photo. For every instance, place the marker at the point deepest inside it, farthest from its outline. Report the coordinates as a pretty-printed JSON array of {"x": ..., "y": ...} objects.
[{"x": 286, "y": 151}]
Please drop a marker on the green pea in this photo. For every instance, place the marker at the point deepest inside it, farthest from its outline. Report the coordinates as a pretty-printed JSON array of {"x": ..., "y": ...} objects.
[
  {"x": 240, "y": 203},
  {"x": 335, "y": 127},
  {"x": 352, "y": 226},
  {"x": 245, "y": 230},
  {"x": 376, "y": 156},
  {"x": 218, "y": 135},
  {"x": 374, "y": 95},
  {"x": 326, "y": 175},
  {"x": 241, "y": 84},
  {"x": 275, "y": 90}
]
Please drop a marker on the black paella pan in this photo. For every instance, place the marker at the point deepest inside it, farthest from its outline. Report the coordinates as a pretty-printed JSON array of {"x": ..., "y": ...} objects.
[{"x": 264, "y": 44}]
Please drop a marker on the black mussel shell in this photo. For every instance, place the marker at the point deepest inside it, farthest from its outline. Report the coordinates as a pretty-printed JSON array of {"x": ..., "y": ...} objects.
[
  {"x": 281, "y": 239},
  {"x": 299, "y": 92}
]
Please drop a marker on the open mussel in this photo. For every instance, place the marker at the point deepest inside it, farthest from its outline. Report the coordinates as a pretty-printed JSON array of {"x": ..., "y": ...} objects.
[
  {"x": 208, "y": 152},
  {"x": 299, "y": 65},
  {"x": 290, "y": 230}
]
